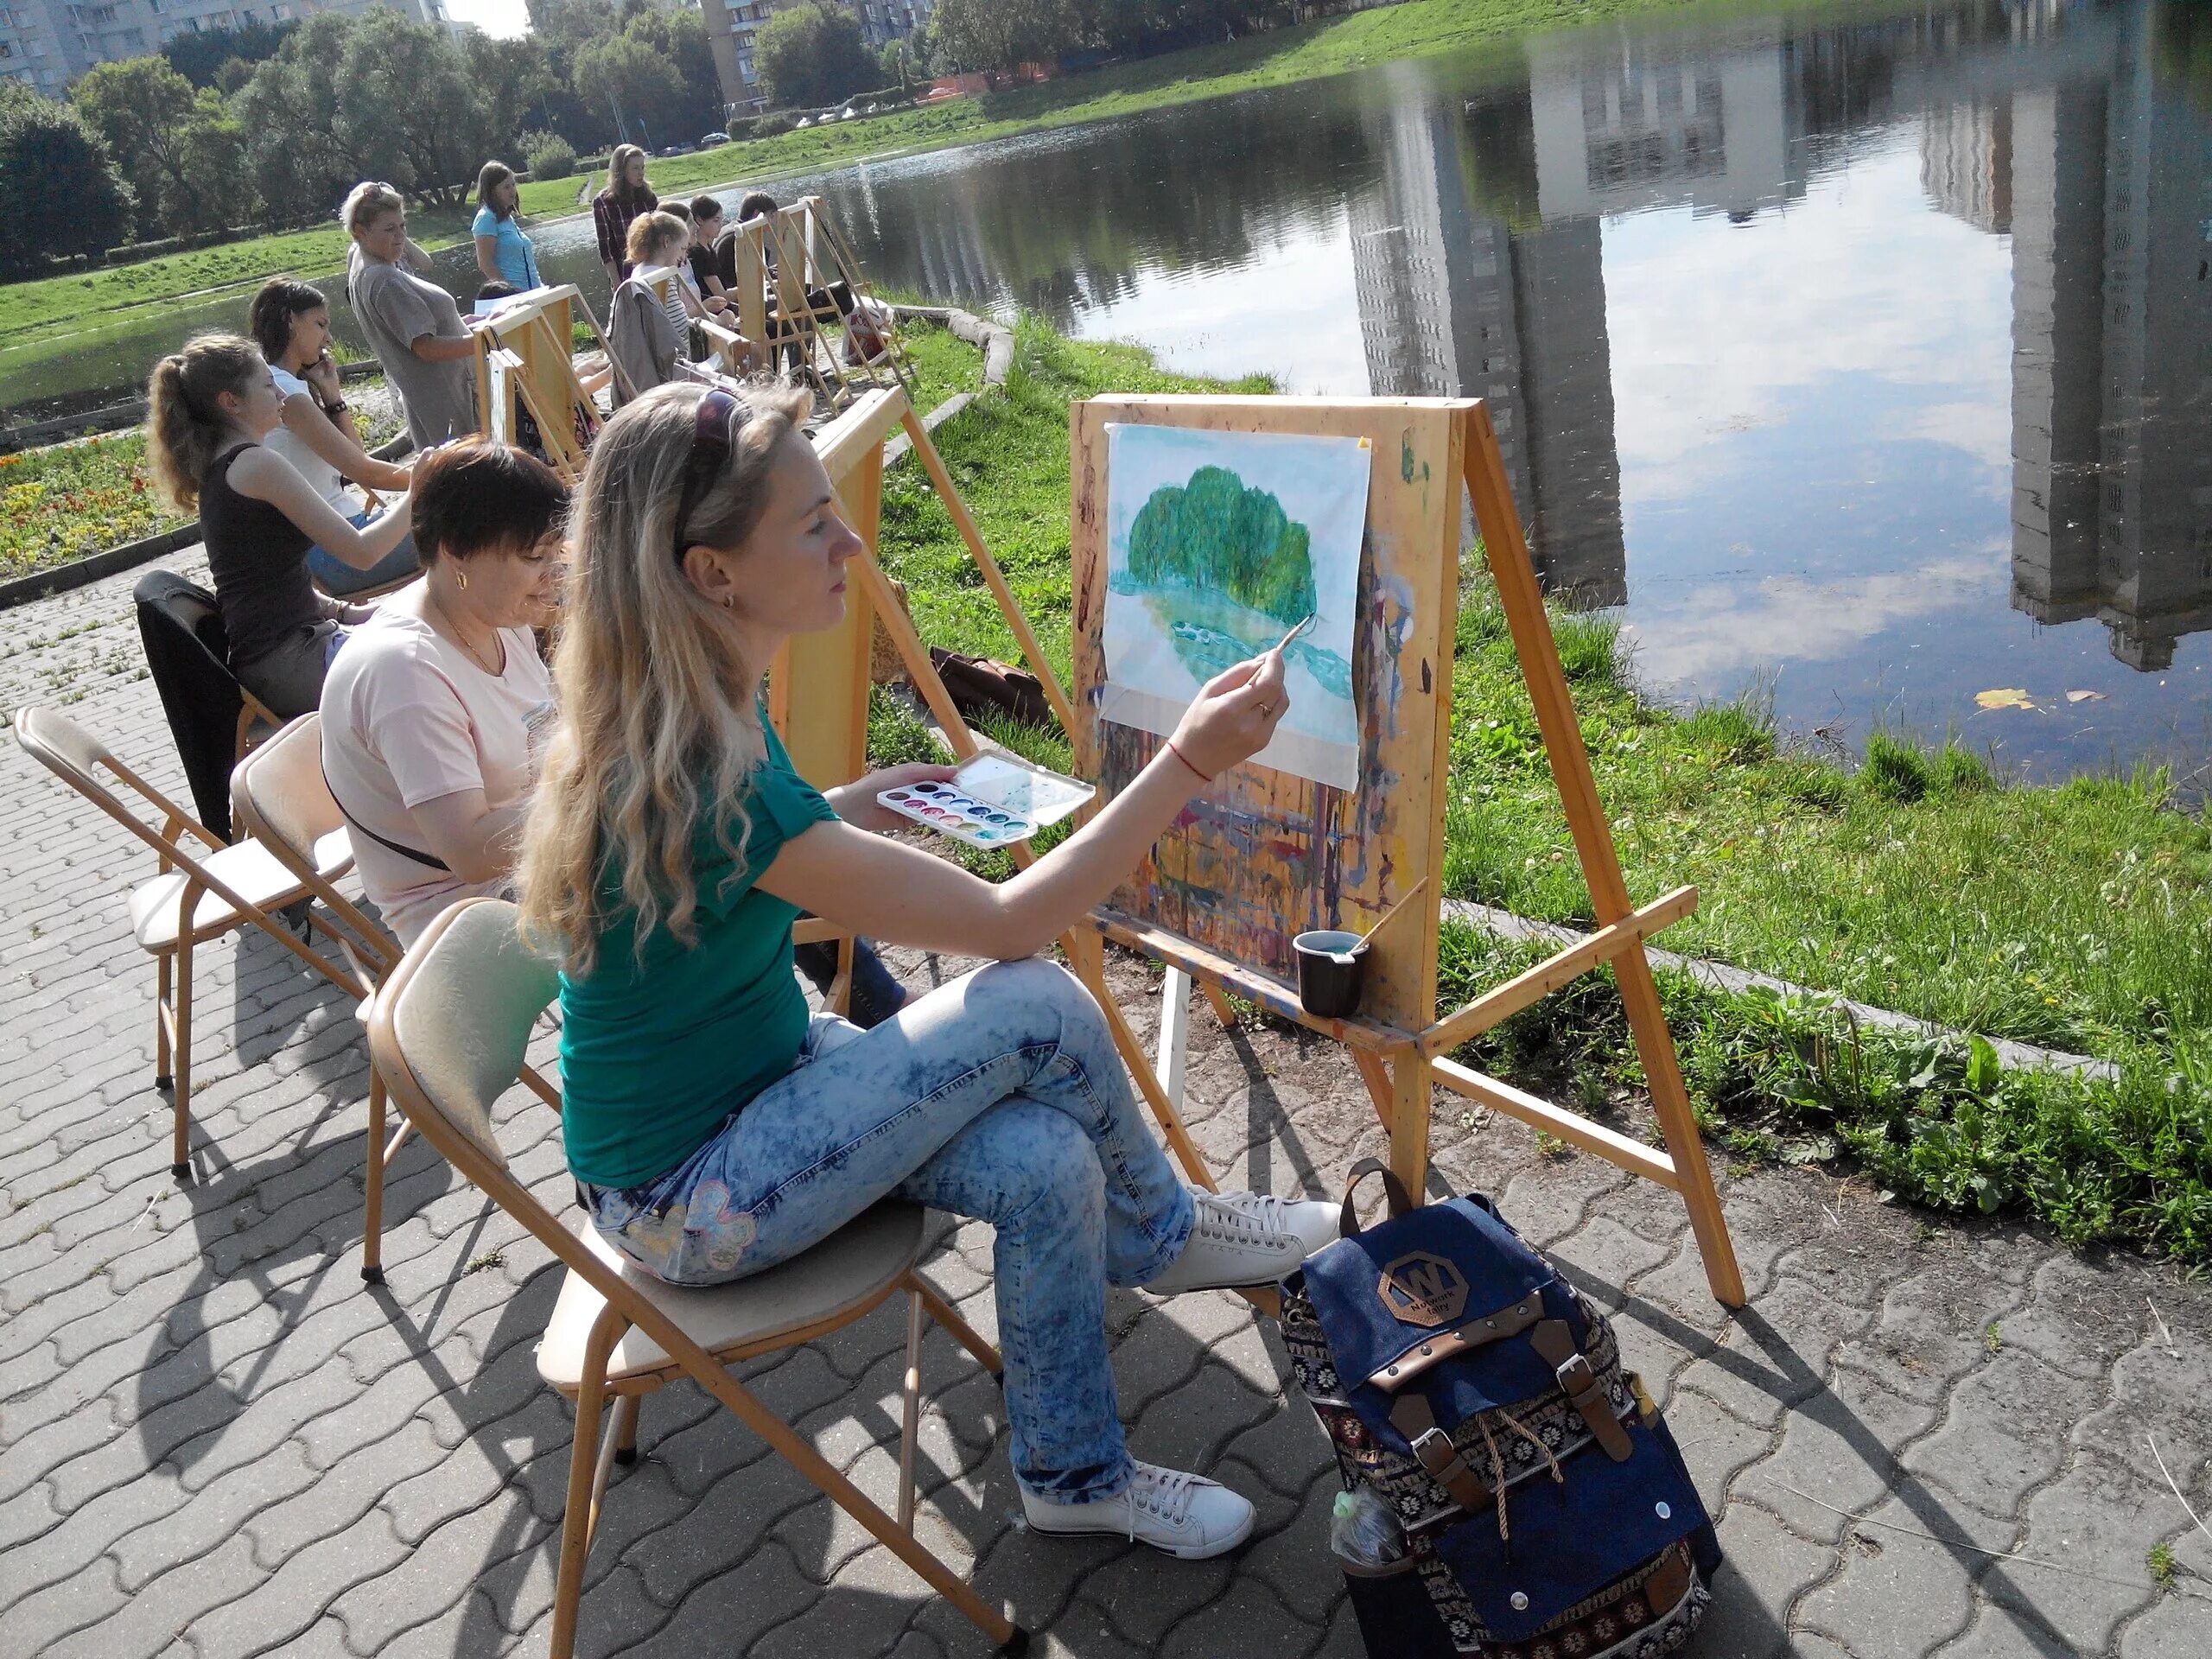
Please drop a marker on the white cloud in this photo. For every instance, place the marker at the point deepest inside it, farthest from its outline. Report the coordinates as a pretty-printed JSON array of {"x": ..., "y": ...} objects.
[
  {"x": 1714, "y": 329},
  {"x": 1713, "y": 634}
]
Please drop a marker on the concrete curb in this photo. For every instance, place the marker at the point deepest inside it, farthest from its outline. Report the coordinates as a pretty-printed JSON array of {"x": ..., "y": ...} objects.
[
  {"x": 996, "y": 338},
  {"x": 65, "y": 578},
  {"x": 2018, "y": 1057}
]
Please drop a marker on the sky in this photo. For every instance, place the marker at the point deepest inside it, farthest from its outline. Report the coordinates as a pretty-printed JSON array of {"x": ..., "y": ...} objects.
[{"x": 501, "y": 17}]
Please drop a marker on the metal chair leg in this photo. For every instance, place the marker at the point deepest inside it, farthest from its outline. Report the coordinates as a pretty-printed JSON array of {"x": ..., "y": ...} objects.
[
  {"x": 627, "y": 1411},
  {"x": 180, "y": 1089},
  {"x": 372, "y": 1184},
  {"x": 963, "y": 1332},
  {"x": 583, "y": 1477},
  {"x": 911, "y": 1416},
  {"x": 164, "y": 964}
]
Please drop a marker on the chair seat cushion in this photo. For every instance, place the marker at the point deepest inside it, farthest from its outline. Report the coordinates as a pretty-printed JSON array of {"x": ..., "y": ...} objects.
[
  {"x": 249, "y": 869},
  {"x": 843, "y": 1274}
]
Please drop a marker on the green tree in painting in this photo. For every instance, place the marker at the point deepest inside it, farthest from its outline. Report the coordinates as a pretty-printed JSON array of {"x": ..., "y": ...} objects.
[{"x": 1215, "y": 534}]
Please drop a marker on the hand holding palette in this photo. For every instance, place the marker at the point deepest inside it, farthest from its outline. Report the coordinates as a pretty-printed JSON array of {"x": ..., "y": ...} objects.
[{"x": 993, "y": 801}]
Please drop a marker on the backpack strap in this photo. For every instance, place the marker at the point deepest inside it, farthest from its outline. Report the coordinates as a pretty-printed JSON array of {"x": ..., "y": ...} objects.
[
  {"x": 1413, "y": 1417},
  {"x": 1553, "y": 1341},
  {"x": 1401, "y": 1201}
]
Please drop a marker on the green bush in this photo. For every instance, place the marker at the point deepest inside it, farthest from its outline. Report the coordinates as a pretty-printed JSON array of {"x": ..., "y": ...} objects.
[{"x": 548, "y": 154}]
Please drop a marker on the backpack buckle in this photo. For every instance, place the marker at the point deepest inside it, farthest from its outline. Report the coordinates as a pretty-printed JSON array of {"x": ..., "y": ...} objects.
[{"x": 1554, "y": 1342}]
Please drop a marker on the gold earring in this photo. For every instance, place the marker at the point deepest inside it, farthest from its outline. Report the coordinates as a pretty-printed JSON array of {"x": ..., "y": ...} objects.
[
  {"x": 460, "y": 577},
  {"x": 729, "y": 601}
]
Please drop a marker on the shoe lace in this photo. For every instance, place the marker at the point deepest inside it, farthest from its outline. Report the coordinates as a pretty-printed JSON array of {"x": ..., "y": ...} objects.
[
  {"x": 1249, "y": 1217},
  {"x": 1163, "y": 1492}
]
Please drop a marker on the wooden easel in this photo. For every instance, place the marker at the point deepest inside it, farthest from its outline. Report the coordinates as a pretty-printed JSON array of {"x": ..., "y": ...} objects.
[
  {"x": 525, "y": 359},
  {"x": 1397, "y": 1044},
  {"x": 1266, "y": 855},
  {"x": 778, "y": 259}
]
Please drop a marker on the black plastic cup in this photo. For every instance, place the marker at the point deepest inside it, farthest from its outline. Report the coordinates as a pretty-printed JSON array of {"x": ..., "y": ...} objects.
[{"x": 1331, "y": 965}]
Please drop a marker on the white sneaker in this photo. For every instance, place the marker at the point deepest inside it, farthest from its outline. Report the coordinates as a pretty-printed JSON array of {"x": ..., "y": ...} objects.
[
  {"x": 1247, "y": 1238},
  {"x": 1187, "y": 1515}
]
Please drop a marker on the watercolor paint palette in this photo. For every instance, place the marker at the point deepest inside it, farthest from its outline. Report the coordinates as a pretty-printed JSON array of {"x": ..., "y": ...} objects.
[{"x": 993, "y": 801}]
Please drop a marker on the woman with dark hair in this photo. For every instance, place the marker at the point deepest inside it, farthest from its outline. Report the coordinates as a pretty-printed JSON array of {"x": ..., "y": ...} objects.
[
  {"x": 504, "y": 254},
  {"x": 625, "y": 196},
  {"x": 209, "y": 407},
  {"x": 428, "y": 352},
  {"x": 291, "y": 322},
  {"x": 714, "y": 1127},
  {"x": 435, "y": 715}
]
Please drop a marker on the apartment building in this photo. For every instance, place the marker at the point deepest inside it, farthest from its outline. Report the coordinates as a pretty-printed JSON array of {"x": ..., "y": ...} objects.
[
  {"x": 732, "y": 26},
  {"x": 45, "y": 44}
]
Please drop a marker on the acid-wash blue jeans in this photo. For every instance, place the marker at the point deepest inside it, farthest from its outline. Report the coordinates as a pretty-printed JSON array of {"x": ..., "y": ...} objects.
[{"x": 998, "y": 1097}]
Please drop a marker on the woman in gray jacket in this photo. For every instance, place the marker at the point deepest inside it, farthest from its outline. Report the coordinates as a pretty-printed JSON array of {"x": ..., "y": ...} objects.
[{"x": 644, "y": 339}]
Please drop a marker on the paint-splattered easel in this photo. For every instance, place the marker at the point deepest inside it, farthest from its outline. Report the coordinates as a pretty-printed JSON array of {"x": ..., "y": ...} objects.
[{"x": 1265, "y": 854}]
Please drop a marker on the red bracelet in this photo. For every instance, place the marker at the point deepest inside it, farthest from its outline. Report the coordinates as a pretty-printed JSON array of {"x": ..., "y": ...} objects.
[{"x": 1202, "y": 777}]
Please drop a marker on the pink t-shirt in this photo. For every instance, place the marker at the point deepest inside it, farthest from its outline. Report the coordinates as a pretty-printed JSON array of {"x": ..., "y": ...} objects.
[{"x": 407, "y": 718}]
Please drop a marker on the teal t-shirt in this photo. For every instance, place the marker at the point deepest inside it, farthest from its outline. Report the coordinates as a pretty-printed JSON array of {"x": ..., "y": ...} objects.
[
  {"x": 513, "y": 252},
  {"x": 656, "y": 1056}
]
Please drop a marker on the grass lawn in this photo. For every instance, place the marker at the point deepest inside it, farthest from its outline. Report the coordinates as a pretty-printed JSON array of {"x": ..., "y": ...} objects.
[
  {"x": 74, "y": 304},
  {"x": 2080, "y": 916}
]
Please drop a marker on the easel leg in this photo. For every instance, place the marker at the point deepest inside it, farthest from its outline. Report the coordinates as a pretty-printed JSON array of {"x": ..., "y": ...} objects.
[
  {"x": 1218, "y": 1000},
  {"x": 1174, "y": 1033},
  {"x": 1655, "y": 1046},
  {"x": 1411, "y": 1096}
]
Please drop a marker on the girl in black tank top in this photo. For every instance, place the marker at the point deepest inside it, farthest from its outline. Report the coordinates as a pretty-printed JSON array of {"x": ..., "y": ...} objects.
[
  {"x": 259, "y": 560},
  {"x": 208, "y": 406}
]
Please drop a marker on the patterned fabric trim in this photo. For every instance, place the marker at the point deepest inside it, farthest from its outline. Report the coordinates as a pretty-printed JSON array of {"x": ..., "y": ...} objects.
[
  {"x": 1411, "y": 1493},
  {"x": 1619, "y": 1623}
]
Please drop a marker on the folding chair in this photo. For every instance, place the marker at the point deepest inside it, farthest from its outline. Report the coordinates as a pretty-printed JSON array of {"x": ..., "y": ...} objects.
[
  {"x": 281, "y": 799},
  {"x": 198, "y": 900},
  {"x": 449, "y": 1032}
]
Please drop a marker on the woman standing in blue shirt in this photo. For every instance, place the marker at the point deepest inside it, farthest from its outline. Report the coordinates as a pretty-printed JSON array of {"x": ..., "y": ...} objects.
[{"x": 504, "y": 254}]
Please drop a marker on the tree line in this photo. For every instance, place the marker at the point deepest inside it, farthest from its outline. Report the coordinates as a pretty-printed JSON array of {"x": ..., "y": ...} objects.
[{"x": 271, "y": 124}]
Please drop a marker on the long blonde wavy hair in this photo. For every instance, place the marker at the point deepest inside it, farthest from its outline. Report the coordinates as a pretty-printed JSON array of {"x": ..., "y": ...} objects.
[{"x": 659, "y": 722}]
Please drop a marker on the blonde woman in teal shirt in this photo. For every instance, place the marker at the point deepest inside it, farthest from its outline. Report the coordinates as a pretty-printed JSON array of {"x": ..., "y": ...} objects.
[{"x": 716, "y": 1128}]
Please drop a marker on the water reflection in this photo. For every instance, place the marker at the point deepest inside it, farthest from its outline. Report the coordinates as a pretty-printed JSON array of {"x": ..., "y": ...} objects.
[{"x": 1850, "y": 355}]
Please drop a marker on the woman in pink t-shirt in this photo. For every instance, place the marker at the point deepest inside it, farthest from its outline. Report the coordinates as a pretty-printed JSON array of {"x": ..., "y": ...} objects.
[{"x": 434, "y": 727}]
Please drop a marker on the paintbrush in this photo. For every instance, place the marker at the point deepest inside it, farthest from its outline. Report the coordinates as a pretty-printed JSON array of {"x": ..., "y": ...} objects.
[{"x": 1311, "y": 617}]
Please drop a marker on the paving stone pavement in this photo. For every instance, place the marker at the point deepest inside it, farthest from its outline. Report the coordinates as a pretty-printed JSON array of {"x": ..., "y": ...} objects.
[{"x": 1920, "y": 1437}]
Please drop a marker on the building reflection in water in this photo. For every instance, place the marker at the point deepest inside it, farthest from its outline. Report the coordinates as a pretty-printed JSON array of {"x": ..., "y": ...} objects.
[{"x": 1472, "y": 200}]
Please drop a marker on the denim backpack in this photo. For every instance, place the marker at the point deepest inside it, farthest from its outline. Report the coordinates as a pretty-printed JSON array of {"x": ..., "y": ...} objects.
[{"x": 1544, "y": 1508}]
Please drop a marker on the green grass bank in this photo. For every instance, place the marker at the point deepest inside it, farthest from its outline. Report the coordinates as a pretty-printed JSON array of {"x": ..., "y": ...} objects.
[
  {"x": 75, "y": 304},
  {"x": 2080, "y": 916}
]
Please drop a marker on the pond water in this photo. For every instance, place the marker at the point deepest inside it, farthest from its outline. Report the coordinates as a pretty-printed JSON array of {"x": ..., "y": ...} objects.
[{"x": 1859, "y": 362}]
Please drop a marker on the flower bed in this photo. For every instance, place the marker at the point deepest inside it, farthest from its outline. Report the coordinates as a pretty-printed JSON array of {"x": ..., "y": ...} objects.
[{"x": 75, "y": 499}]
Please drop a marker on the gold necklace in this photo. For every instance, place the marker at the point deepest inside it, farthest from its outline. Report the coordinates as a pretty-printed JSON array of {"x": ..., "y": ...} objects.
[{"x": 461, "y": 639}]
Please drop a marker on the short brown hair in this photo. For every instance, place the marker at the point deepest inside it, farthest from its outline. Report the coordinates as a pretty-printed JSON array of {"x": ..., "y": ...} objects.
[
  {"x": 480, "y": 495},
  {"x": 705, "y": 207}
]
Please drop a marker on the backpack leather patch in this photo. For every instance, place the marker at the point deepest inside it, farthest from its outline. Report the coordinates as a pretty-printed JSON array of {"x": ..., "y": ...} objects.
[{"x": 1423, "y": 1288}]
